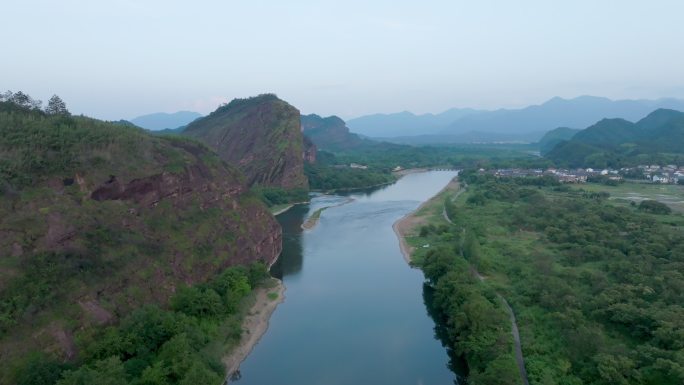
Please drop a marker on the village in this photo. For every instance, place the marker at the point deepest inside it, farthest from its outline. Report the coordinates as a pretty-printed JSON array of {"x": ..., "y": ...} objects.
[{"x": 670, "y": 174}]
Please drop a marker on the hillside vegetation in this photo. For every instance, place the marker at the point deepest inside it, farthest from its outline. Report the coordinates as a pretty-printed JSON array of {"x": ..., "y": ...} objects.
[
  {"x": 655, "y": 139},
  {"x": 97, "y": 219},
  {"x": 555, "y": 136},
  {"x": 261, "y": 136},
  {"x": 596, "y": 287},
  {"x": 330, "y": 133}
]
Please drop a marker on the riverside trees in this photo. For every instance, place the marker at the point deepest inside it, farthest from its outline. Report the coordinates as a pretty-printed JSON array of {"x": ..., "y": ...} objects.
[{"x": 596, "y": 286}]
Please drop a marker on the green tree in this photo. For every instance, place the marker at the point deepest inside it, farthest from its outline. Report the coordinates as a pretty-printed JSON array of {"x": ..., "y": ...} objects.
[
  {"x": 654, "y": 207},
  {"x": 197, "y": 302},
  {"x": 200, "y": 374},
  {"x": 104, "y": 372},
  {"x": 39, "y": 370},
  {"x": 56, "y": 106}
]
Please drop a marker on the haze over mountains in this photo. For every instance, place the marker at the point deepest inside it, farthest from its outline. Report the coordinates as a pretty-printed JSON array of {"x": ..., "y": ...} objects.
[
  {"x": 655, "y": 139},
  {"x": 526, "y": 124},
  {"x": 163, "y": 120}
]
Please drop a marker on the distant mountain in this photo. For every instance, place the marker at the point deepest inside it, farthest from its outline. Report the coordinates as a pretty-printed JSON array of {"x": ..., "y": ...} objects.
[
  {"x": 329, "y": 133},
  {"x": 406, "y": 123},
  {"x": 658, "y": 137},
  {"x": 163, "y": 120},
  {"x": 557, "y": 112},
  {"x": 261, "y": 136},
  {"x": 471, "y": 137},
  {"x": 555, "y": 136}
]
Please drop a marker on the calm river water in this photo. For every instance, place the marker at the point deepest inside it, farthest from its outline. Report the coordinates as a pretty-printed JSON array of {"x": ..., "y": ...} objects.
[{"x": 354, "y": 312}]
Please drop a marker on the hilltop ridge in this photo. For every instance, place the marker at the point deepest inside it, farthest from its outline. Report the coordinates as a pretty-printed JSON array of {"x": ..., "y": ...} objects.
[{"x": 261, "y": 136}]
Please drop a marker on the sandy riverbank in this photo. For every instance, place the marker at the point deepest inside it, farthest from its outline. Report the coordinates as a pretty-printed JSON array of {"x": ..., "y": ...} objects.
[
  {"x": 254, "y": 325},
  {"x": 407, "y": 171},
  {"x": 313, "y": 219},
  {"x": 411, "y": 222},
  {"x": 282, "y": 210}
]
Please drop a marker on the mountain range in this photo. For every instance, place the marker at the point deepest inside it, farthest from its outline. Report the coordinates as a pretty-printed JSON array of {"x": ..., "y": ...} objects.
[
  {"x": 162, "y": 120},
  {"x": 525, "y": 124},
  {"x": 657, "y": 138}
]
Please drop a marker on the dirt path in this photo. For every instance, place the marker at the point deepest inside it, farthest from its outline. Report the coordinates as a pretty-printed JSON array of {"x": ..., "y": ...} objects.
[
  {"x": 411, "y": 221},
  {"x": 516, "y": 339},
  {"x": 444, "y": 212},
  {"x": 254, "y": 326}
]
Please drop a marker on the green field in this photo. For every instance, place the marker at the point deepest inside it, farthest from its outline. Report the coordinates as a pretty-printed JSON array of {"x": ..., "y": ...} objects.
[{"x": 671, "y": 195}]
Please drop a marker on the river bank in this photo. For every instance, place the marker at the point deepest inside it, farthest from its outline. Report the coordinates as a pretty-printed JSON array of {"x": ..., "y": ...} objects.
[
  {"x": 407, "y": 171},
  {"x": 433, "y": 212},
  {"x": 313, "y": 219},
  {"x": 254, "y": 325},
  {"x": 411, "y": 223},
  {"x": 371, "y": 327}
]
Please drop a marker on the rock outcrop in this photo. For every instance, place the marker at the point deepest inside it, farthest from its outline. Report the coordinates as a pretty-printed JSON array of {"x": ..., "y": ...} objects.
[{"x": 261, "y": 136}]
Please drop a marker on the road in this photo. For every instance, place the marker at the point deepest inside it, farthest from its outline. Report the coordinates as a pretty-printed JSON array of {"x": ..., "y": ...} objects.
[{"x": 514, "y": 324}]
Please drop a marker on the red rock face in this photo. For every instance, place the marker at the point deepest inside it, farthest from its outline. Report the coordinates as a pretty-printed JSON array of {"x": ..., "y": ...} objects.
[
  {"x": 262, "y": 241},
  {"x": 176, "y": 228},
  {"x": 261, "y": 136}
]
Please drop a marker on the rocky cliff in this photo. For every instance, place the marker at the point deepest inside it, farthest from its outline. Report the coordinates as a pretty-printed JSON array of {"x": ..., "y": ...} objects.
[
  {"x": 329, "y": 133},
  {"x": 97, "y": 219},
  {"x": 261, "y": 136}
]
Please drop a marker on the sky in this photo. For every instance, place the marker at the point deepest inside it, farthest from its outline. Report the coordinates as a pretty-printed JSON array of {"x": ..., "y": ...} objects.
[{"x": 123, "y": 58}]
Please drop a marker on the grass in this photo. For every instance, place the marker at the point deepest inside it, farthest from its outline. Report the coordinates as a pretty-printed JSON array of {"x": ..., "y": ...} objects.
[
  {"x": 624, "y": 193},
  {"x": 278, "y": 208}
]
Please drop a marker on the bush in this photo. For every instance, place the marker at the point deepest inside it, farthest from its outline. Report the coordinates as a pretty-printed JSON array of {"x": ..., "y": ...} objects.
[{"x": 654, "y": 207}]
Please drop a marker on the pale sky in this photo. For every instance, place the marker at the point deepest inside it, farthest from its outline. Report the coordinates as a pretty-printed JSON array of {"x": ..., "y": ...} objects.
[{"x": 123, "y": 58}]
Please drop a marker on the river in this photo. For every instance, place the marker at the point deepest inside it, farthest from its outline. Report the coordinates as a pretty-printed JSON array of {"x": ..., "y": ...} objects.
[{"x": 354, "y": 311}]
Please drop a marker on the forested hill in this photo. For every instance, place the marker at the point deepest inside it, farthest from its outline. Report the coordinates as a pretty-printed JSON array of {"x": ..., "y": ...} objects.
[
  {"x": 97, "y": 219},
  {"x": 261, "y": 136},
  {"x": 555, "y": 136},
  {"x": 330, "y": 133},
  {"x": 656, "y": 138}
]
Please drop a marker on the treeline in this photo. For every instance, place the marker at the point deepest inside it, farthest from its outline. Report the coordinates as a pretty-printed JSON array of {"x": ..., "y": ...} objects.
[
  {"x": 597, "y": 288},
  {"x": 478, "y": 327},
  {"x": 38, "y": 145},
  {"x": 330, "y": 177},
  {"x": 153, "y": 345},
  {"x": 273, "y": 196},
  {"x": 386, "y": 156},
  {"x": 55, "y": 106}
]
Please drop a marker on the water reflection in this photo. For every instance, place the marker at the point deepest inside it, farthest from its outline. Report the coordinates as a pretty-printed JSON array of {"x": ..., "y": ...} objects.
[
  {"x": 355, "y": 313},
  {"x": 457, "y": 363},
  {"x": 292, "y": 258}
]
